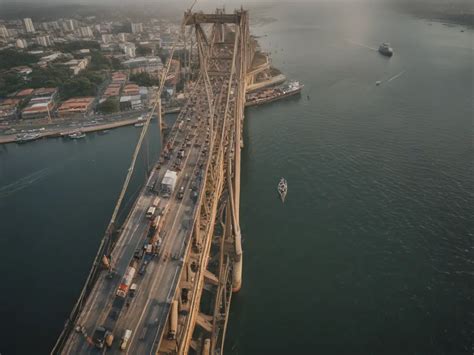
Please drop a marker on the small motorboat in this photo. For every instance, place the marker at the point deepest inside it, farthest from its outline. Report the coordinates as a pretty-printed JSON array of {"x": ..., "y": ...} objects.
[
  {"x": 139, "y": 124},
  {"x": 77, "y": 135},
  {"x": 282, "y": 189}
]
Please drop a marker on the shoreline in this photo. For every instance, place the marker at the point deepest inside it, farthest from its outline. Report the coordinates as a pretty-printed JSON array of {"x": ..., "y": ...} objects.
[{"x": 59, "y": 132}]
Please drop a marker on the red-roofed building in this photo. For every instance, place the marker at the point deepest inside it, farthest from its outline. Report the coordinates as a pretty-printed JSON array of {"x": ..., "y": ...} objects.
[
  {"x": 76, "y": 106},
  {"x": 38, "y": 110},
  {"x": 9, "y": 108},
  {"x": 25, "y": 92},
  {"x": 131, "y": 90}
]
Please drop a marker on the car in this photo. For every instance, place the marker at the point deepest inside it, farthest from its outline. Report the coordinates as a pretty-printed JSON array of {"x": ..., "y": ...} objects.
[{"x": 180, "y": 194}]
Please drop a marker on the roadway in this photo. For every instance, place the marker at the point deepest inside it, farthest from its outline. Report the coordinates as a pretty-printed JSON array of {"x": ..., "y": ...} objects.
[{"x": 146, "y": 314}]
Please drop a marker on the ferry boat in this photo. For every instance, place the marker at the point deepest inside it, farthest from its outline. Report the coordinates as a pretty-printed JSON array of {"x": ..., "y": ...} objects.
[
  {"x": 77, "y": 135},
  {"x": 282, "y": 189},
  {"x": 27, "y": 137},
  {"x": 272, "y": 94},
  {"x": 385, "y": 49}
]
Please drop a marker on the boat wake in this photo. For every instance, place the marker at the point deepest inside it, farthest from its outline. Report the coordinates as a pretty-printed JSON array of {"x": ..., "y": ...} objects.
[
  {"x": 396, "y": 76},
  {"x": 361, "y": 45},
  {"x": 24, "y": 182}
]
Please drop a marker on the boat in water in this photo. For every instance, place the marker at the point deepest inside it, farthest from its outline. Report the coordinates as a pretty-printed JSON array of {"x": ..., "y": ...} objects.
[
  {"x": 139, "y": 124},
  {"x": 27, "y": 137},
  {"x": 77, "y": 135},
  {"x": 282, "y": 189},
  {"x": 385, "y": 49},
  {"x": 273, "y": 94}
]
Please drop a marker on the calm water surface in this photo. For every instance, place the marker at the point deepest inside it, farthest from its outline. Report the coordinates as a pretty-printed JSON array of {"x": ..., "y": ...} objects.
[{"x": 373, "y": 251}]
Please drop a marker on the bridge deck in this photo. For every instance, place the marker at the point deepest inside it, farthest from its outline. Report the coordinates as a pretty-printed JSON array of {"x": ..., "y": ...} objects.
[
  {"x": 147, "y": 312},
  {"x": 210, "y": 140}
]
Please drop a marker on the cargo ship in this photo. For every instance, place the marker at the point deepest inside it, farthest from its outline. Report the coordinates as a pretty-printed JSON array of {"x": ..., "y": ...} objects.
[{"x": 272, "y": 94}]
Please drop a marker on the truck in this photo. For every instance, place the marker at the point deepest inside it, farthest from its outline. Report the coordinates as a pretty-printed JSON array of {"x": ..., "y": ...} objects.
[
  {"x": 169, "y": 182},
  {"x": 126, "y": 337},
  {"x": 156, "y": 202},
  {"x": 156, "y": 225},
  {"x": 133, "y": 290},
  {"x": 127, "y": 279},
  {"x": 102, "y": 336},
  {"x": 173, "y": 326},
  {"x": 150, "y": 212}
]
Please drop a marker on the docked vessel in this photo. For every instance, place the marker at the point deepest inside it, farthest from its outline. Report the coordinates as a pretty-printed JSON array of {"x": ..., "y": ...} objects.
[
  {"x": 282, "y": 189},
  {"x": 77, "y": 135},
  {"x": 385, "y": 49},
  {"x": 272, "y": 94},
  {"x": 27, "y": 137}
]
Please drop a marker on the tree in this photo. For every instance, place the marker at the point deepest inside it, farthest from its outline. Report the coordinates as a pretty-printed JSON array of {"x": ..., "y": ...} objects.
[
  {"x": 94, "y": 77},
  {"x": 110, "y": 105},
  {"x": 11, "y": 58},
  {"x": 10, "y": 82},
  {"x": 99, "y": 61},
  {"x": 52, "y": 76},
  {"x": 80, "y": 86},
  {"x": 115, "y": 62},
  {"x": 143, "y": 51},
  {"x": 76, "y": 45},
  {"x": 144, "y": 79}
]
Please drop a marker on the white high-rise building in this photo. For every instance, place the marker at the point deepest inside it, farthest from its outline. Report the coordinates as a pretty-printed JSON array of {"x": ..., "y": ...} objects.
[
  {"x": 4, "y": 32},
  {"x": 137, "y": 27},
  {"x": 129, "y": 49},
  {"x": 122, "y": 37},
  {"x": 44, "y": 41},
  {"x": 21, "y": 43},
  {"x": 70, "y": 25},
  {"x": 106, "y": 38},
  {"x": 85, "y": 31},
  {"x": 29, "y": 25}
]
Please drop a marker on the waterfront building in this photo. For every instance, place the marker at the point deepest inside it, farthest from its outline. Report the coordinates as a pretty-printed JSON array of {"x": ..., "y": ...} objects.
[
  {"x": 130, "y": 103},
  {"x": 41, "y": 104},
  {"x": 76, "y": 106}
]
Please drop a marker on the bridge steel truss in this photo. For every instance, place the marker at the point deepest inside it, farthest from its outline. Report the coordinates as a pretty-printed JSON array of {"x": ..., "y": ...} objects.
[{"x": 212, "y": 268}]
